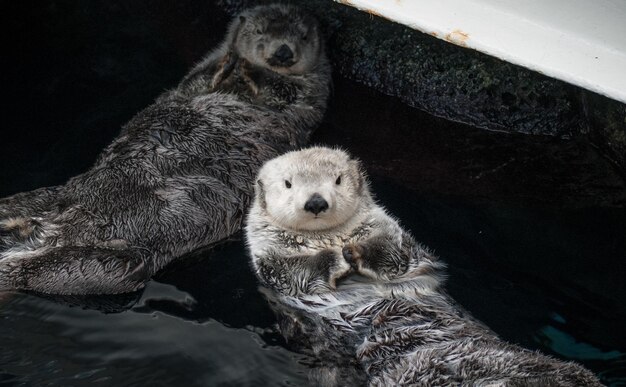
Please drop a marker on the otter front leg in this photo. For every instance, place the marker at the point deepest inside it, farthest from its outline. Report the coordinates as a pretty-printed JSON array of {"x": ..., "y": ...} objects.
[
  {"x": 271, "y": 88},
  {"x": 382, "y": 257},
  {"x": 207, "y": 77},
  {"x": 224, "y": 68},
  {"x": 302, "y": 274}
]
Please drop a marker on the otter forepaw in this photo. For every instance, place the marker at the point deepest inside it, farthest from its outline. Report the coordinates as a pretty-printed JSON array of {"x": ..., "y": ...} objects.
[
  {"x": 337, "y": 268},
  {"x": 224, "y": 68},
  {"x": 249, "y": 74},
  {"x": 353, "y": 254},
  {"x": 360, "y": 259}
]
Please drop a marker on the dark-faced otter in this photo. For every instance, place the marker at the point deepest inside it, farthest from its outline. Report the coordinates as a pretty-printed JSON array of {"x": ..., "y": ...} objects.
[
  {"x": 178, "y": 177},
  {"x": 390, "y": 323}
]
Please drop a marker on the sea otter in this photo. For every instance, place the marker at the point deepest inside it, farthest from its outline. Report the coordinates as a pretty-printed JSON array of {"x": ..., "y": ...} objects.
[
  {"x": 178, "y": 176},
  {"x": 390, "y": 322}
]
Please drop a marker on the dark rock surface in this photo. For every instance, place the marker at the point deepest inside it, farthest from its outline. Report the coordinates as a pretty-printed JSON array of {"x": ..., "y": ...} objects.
[{"x": 462, "y": 84}]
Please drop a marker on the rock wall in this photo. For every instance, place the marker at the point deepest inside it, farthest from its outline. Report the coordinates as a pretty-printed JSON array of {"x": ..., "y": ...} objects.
[{"x": 461, "y": 84}]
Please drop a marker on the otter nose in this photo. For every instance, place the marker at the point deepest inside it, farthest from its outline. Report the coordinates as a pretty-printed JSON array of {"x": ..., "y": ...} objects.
[
  {"x": 316, "y": 204},
  {"x": 284, "y": 53}
]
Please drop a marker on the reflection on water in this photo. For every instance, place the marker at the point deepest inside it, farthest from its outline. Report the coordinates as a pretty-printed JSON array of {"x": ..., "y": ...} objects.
[
  {"x": 52, "y": 344},
  {"x": 566, "y": 345},
  {"x": 202, "y": 322}
]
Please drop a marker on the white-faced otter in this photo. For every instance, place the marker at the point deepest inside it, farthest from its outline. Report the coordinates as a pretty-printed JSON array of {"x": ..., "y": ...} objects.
[
  {"x": 178, "y": 176},
  {"x": 390, "y": 322}
]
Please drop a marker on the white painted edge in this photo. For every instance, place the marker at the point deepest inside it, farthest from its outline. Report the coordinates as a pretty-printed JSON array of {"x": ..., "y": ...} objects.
[{"x": 582, "y": 45}]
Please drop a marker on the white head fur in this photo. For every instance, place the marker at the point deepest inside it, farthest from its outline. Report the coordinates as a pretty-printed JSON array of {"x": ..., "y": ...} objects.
[{"x": 313, "y": 189}]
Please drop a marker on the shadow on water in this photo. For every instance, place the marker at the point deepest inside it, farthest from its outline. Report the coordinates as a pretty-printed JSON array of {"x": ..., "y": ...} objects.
[{"x": 532, "y": 228}]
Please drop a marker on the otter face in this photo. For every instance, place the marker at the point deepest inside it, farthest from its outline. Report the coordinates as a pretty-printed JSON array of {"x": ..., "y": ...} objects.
[
  {"x": 279, "y": 37},
  {"x": 311, "y": 190}
]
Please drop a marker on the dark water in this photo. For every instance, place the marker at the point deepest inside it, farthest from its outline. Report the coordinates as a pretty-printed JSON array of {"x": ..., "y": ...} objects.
[{"x": 533, "y": 229}]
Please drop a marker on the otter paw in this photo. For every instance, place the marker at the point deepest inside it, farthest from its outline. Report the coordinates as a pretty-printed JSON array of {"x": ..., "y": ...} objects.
[
  {"x": 353, "y": 254},
  {"x": 244, "y": 66},
  {"x": 338, "y": 269},
  {"x": 224, "y": 69},
  {"x": 251, "y": 75}
]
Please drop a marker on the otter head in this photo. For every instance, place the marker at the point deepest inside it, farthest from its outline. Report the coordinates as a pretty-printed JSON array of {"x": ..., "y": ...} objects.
[
  {"x": 312, "y": 189},
  {"x": 279, "y": 37}
]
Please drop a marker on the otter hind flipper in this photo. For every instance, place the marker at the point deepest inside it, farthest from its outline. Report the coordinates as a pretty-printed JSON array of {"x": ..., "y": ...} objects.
[
  {"x": 20, "y": 230},
  {"x": 76, "y": 270}
]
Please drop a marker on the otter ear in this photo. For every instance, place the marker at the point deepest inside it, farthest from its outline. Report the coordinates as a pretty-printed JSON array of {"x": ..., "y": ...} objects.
[
  {"x": 356, "y": 169},
  {"x": 260, "y": 193}
]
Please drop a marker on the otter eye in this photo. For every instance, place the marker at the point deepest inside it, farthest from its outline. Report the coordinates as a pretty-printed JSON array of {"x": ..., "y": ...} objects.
[
  {"x": 338, "y": 181},
  {"x": 287, "y": 184},
  {"x": 304, "y": 37},
  {"x": 259, "y": 32}
]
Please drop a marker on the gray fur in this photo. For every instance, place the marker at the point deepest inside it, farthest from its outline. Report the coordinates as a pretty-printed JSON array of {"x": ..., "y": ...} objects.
[
  {"x": 177, "y": 177},
  {"x": 390, "y": 322}
]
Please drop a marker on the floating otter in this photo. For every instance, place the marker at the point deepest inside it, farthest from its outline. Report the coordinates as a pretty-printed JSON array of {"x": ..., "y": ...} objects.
[
  {"x": 314, "y": 222},
  {"x": 178, "y": 176}
]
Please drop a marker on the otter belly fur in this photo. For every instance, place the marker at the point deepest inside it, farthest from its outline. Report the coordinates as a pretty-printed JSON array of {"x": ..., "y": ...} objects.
[
  {"x": 178, "y": 176},
  {"x": 389, "y": 321}
]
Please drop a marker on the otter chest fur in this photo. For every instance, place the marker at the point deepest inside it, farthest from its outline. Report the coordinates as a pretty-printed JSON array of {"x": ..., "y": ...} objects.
[{"x": 334, "y": 239}]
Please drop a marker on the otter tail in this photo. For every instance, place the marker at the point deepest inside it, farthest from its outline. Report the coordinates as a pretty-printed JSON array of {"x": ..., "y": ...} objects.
[{"x": 74, "y": 270}]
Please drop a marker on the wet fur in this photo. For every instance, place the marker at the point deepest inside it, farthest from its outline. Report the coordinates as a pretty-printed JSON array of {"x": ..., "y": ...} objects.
[
  {"x": 178, "y": 176},
  {"x": 390, "y": 322}
]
